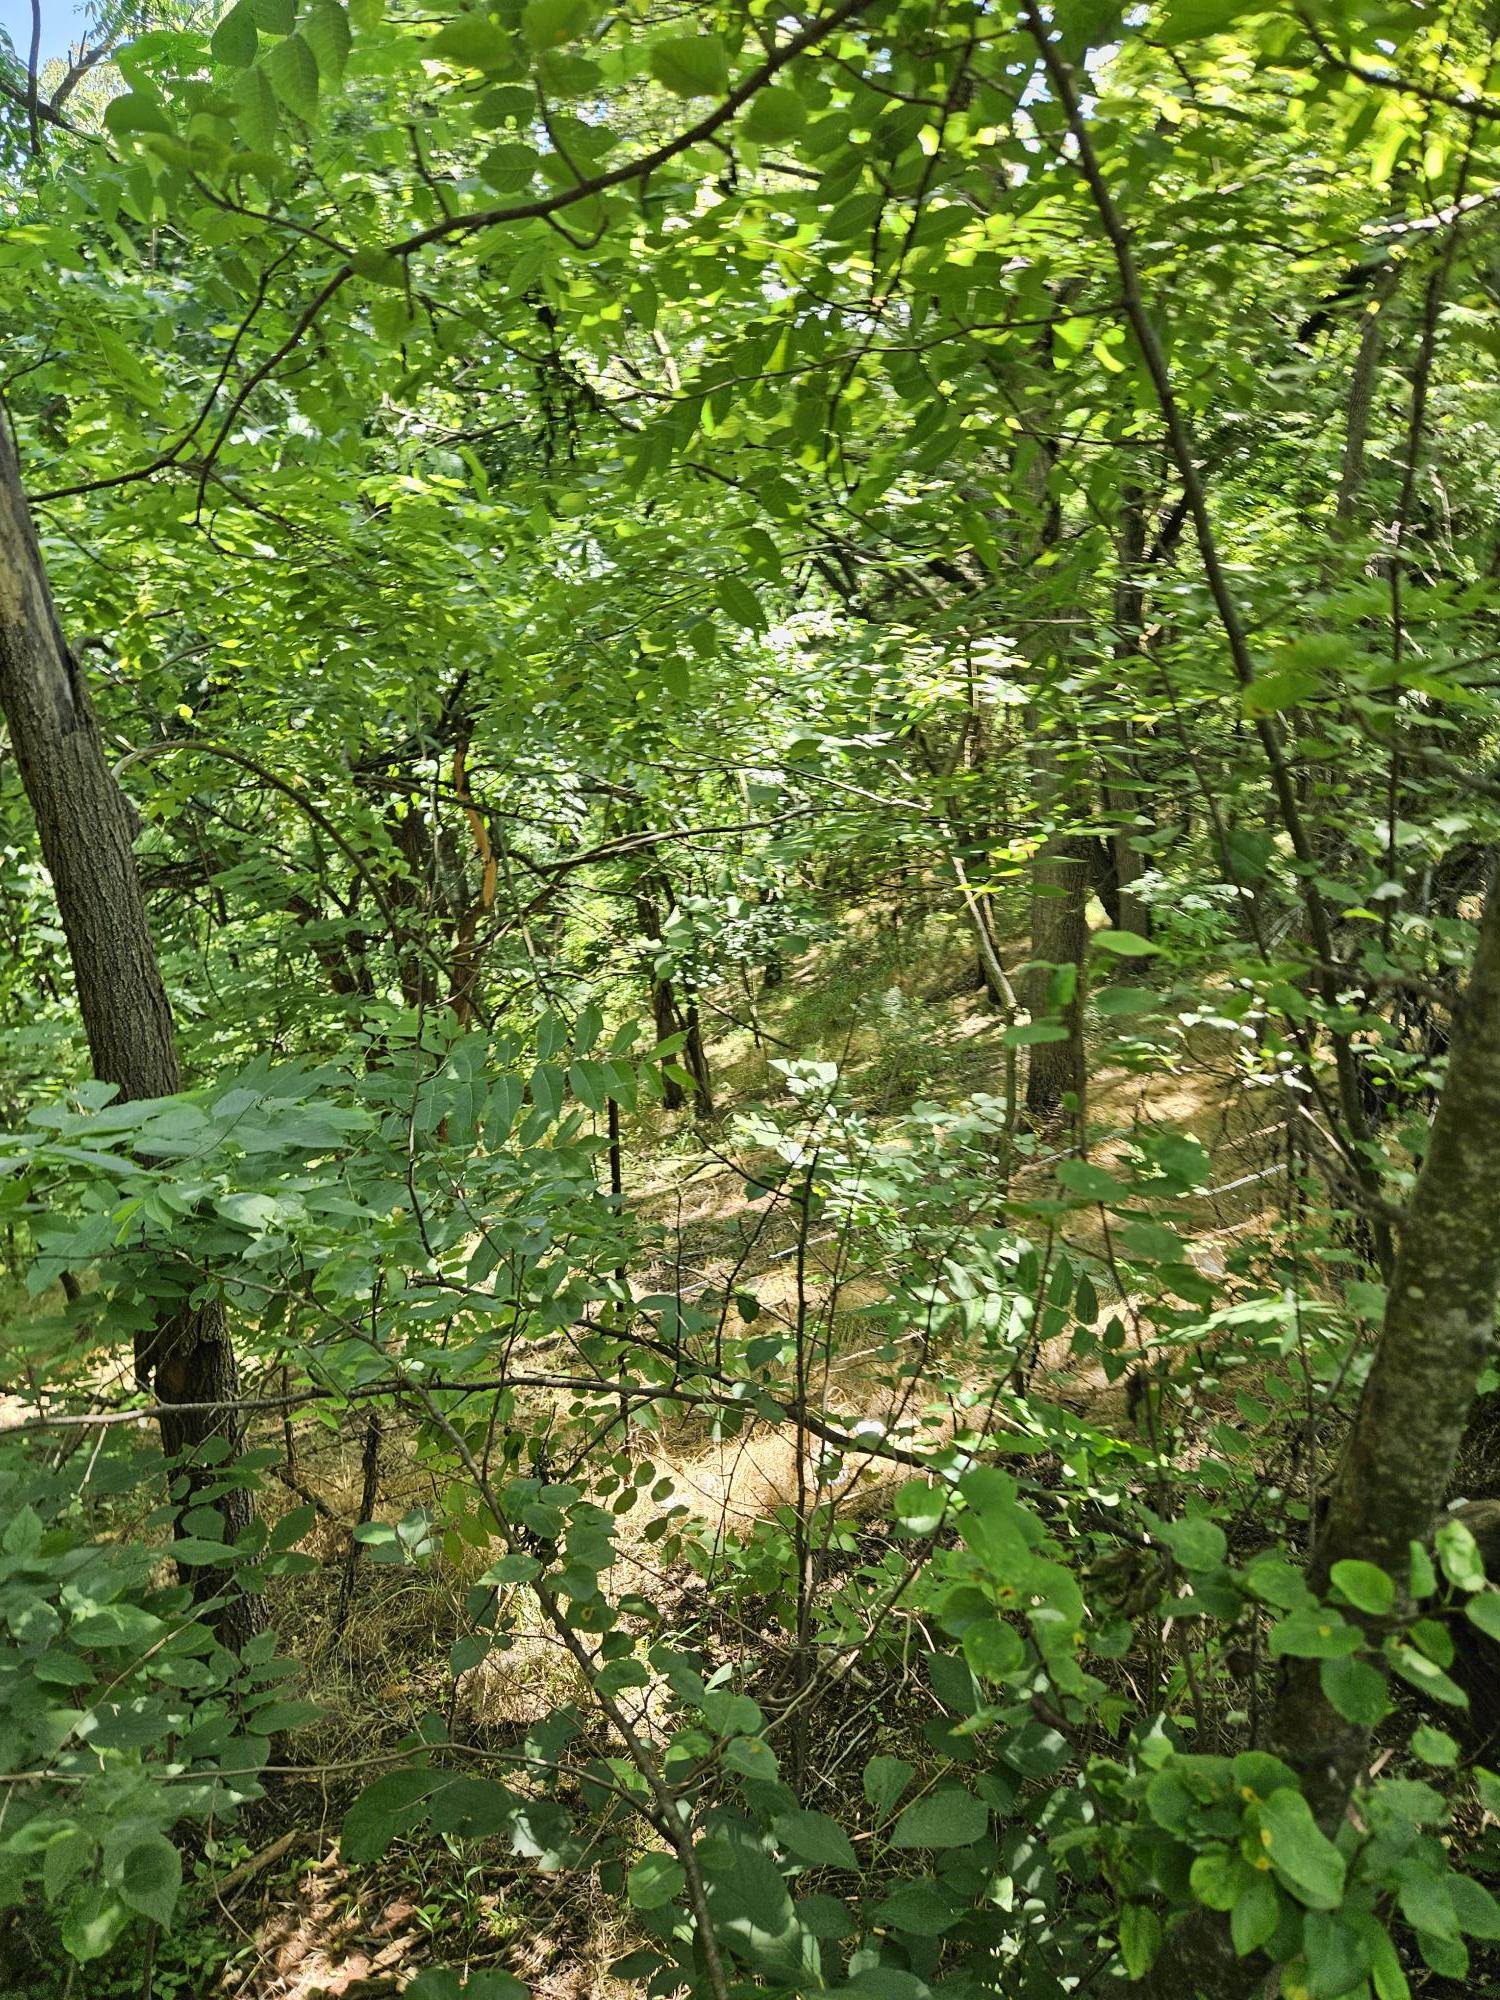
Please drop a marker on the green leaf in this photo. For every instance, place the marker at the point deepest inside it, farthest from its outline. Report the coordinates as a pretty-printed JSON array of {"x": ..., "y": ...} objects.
[
  {"x": 752, "y": 1911},
  {"x": 1337, "y": 1958},
  {"x": 1423, "y": 1575},
  {"x": 327, "y": 32},
  {"x": 952, "y": 1683},
  {"x": 1272, "y": 693},
  {"x": 812, "y": 1836},
  {"x": 279, "y": 1716},
  {"x": 1475, "y": 1906},
  {"x": 391, "y": 319},
  {"x": 1140, "y": 1938},
  {"x": 135, "y": 112},
  {"x": 1084, "y": 1178},
  {"x": 1434, "y": 1746},
  {"x": 1218, "y": 1878},
  {"x": 1196, "y": 1542},
  {"x": 823, "y": 1916},
  {"x": 654, "y": 1880},
  {"x": 923, "y": 1908},
  {"x": 92, "y": 1925},
  {"x": 547, "y": 24},
  {"x": 1356, "y": 1689},
  {"x": 196, "y": 1553},
  {"x": 1484, "y": 1611},
  {"x": 1112, "y": 1000},
  {"x": 1125, "y": 944},
  {"x": 776, "y": 113},
  {"x": 466, "y": 1653},
  {"x": 1030, "y": 1034},
  {"x": 885, "y": 1779},
  {"x": 1314, "y": 1634},
  {"x": 258, "y": 117},
  {"x": 150, "y": 1878},
  {"x": 993, "y": 1648},
  {"x": 471, "y": 41},
  {"x": 1385, "y": 1966},
  {"x": 379, "y": 267},
  {"x": 1458, "y": 1552},
  {"x": 1191, "y": 20},
  {"x": 1305, "y": 1860},
  {"x": 740, "y": 602},
  {"x": 949, "y": 1817},
  {"x": 751, "y": 1757},
  {"x": 1255, "y": 1915},
  {"x": 274, "y": 17},
  {"x": 587, "y": 1081},
  {"x": 235, "y": 40},
  {"x": 1425, "y": 1674},
  {"x": 383, "y": 1811},
  {"x": 23, "y": 1533},
  {"x": 1422, "y": 1894},
  {"x": 66, "y": 1856},
  {"x": 1256, "y": 1773},
  {"x": 1365, "y": 1586},
  {"x": 291, "y": 69},
  {"x": 691, "y": 65}
]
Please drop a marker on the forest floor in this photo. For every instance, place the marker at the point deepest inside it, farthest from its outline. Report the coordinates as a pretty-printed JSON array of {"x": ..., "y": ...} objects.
[{"x": 899, "y": 1013}]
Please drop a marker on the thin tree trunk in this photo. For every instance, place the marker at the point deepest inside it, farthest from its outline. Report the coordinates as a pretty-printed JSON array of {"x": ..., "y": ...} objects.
[
  {"x": 1122, "y": 786},
  {"x": 697, "y": 1055},
  {"x": 1062, "y": 865},
  {"x": 1437, "y": 1334},
  {"x": 672, "y": 1018},
  {"x": 369, "y": 1493},
  {"x": 468, "y": 939},
  {"x": 410, "y": 890},
  {"x": 663, "y": 999},
  {"x": 1361, "y": 401},
  {"x": 85, "y": 827},
  {"x": 1059, "y": 938}
]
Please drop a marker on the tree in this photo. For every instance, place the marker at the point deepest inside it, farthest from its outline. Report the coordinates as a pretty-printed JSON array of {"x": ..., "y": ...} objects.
[
  {"x": 84, "y": 824},
  {"x": 579, "y": 504}
]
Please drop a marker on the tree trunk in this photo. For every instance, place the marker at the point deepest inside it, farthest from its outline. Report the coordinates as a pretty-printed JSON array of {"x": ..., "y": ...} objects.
[
  {"x": 1437, "y": 1334},
  {"x": 663, "y": 999},
  {"x": 411, "y": 890},
  {"x": 85, "y": 827},
  {"x": 1059, "y": 939},
  {"x": 697, "y": 1055},
  {"x": 1438, "y": 1331},
  {"x": 1122, "y": 784},
  {"x": 1361, "y": 401}
]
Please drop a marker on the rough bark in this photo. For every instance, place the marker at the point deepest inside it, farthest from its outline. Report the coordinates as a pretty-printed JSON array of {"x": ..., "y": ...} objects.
[
  {"x": 1397, "y": 1464},
  {"x": 1438, "y": 1330},
  {"x": 85, "y": 827}
]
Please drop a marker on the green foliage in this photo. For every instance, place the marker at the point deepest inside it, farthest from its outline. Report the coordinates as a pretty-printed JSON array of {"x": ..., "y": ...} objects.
[{"x": 575, "y": 517}]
